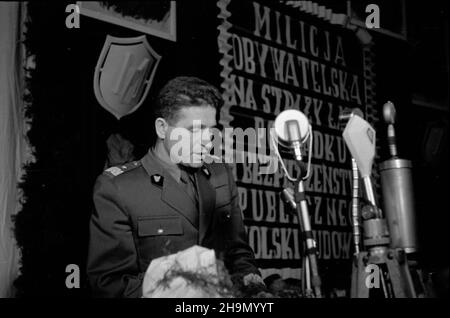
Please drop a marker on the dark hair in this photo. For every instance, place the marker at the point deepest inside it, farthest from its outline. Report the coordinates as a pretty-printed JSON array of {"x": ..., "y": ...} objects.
[{"x": 185, "y": 91}]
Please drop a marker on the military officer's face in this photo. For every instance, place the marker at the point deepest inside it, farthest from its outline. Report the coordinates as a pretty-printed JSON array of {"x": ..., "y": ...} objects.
[{"x": 188, "y": 136}]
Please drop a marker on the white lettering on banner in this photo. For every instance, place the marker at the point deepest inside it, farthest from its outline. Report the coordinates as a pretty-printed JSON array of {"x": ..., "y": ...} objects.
[
  {"x": 298, "y": 71},
  {"x": 333, "y": 244},
  {"x": 292, "y": 64},
  {"x": 324, "y": 178},
  {"x": 281, "y": 31},
  {"x": 262, "y": 51},
  {"x": 243, "y": 93},
  {"x": 262, "y": 21},
  {"x": 267, "y": 206},
  {"x": 243, "y": 54},
  {"x": 283, "y": 243},
  {"x": 328, "y": 180},
  {"x": 274, "y": 100},
  {"x": 243, "y": 198}
]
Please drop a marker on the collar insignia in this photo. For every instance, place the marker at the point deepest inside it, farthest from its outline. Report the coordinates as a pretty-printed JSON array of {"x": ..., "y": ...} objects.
[
  {"x": 157, "y": 180},
  {"x": 206, "y": 171}
]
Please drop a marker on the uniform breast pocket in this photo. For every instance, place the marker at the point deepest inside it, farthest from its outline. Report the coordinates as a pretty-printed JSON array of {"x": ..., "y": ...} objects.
[{"x": 159, "y": 226}]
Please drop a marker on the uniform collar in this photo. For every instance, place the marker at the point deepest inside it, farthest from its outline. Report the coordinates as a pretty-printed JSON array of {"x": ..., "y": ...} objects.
[{"x": 153, "y": 163}]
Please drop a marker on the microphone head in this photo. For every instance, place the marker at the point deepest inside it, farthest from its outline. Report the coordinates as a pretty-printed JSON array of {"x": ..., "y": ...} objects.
[
  {"x": 358, "y": 112},
  {"x": 293, "y": 130},
  {"x": 359, "y": 136},
  {"x": 287, "y": 196},
  {"x": 389, "y": 113},
  {"x": 347, "y": 113},
  {"x": 291, "y": 125}
]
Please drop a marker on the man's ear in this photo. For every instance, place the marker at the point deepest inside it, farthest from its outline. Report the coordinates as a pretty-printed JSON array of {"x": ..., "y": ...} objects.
[{"x": 161, "y": 127}]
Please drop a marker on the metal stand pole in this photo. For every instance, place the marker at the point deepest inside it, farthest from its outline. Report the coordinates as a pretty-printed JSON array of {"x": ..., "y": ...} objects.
[
  {"x": 393, "y": 268},
  {"x": 311, "y": 250},
  {"x": 355, "y": 208}
]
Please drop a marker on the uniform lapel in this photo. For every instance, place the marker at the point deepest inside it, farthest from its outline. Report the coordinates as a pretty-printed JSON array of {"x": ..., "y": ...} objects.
[
  {"x": 177, "y": 198},
  {"x": 207, "y": 199},
  {"x": 171, "y": 193}
]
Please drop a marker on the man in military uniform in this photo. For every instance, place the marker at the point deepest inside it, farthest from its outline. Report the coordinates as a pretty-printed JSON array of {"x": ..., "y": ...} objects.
[{"x": 163, "y": 204}]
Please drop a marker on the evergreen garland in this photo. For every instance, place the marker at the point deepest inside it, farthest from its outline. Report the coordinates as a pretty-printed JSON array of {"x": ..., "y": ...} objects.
[
  {"x": 24, "y": 220},
  {"x": 148, "y": 10},
  {"x": 220, "y": 284}
]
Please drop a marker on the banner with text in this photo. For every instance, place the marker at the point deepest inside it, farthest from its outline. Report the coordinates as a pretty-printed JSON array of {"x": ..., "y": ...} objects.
[{"x": 276, "y": 58}]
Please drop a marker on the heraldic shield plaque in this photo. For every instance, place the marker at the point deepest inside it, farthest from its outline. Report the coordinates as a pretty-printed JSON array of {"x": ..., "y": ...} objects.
[{"x": 124, "y": 74}]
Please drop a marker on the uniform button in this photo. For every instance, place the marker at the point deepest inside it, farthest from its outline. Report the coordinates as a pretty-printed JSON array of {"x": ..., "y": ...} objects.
[{"x": 160, "y": 231}]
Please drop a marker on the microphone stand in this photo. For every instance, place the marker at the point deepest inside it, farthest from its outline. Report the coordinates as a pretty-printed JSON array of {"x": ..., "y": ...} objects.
[
  {"x": 299, "y": 204},
  {"x": 292, "y": 128},
  {"x": 305, "y": 225},
  {"x": 389, "y": 266},
  {"x": 343, "y": 118},
  {"x": 355, "y": 208},
  {"x": 287, "y": 195}
]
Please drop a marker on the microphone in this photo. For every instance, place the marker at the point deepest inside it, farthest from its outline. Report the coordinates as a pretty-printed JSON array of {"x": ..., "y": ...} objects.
[
  {"x": 287, "y": 195},
  {"x": 292, "y": 129},
  {"x": 398, "y": 191},
  {"x": 347, "y": 113},
  {"x": 293, "y": 133},
  {"x": 389, "y": 118},
  {"x": 344, "y": 118},
  {"x": 359, "y": 137}
]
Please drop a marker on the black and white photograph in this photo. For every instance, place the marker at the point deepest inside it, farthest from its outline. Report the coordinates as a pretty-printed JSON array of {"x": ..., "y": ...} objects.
[{"x": 243, "y": 150}]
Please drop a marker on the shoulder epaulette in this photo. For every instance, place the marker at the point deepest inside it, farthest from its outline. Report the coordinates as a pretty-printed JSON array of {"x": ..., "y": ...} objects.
[{"x": 117, "y": 170}]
